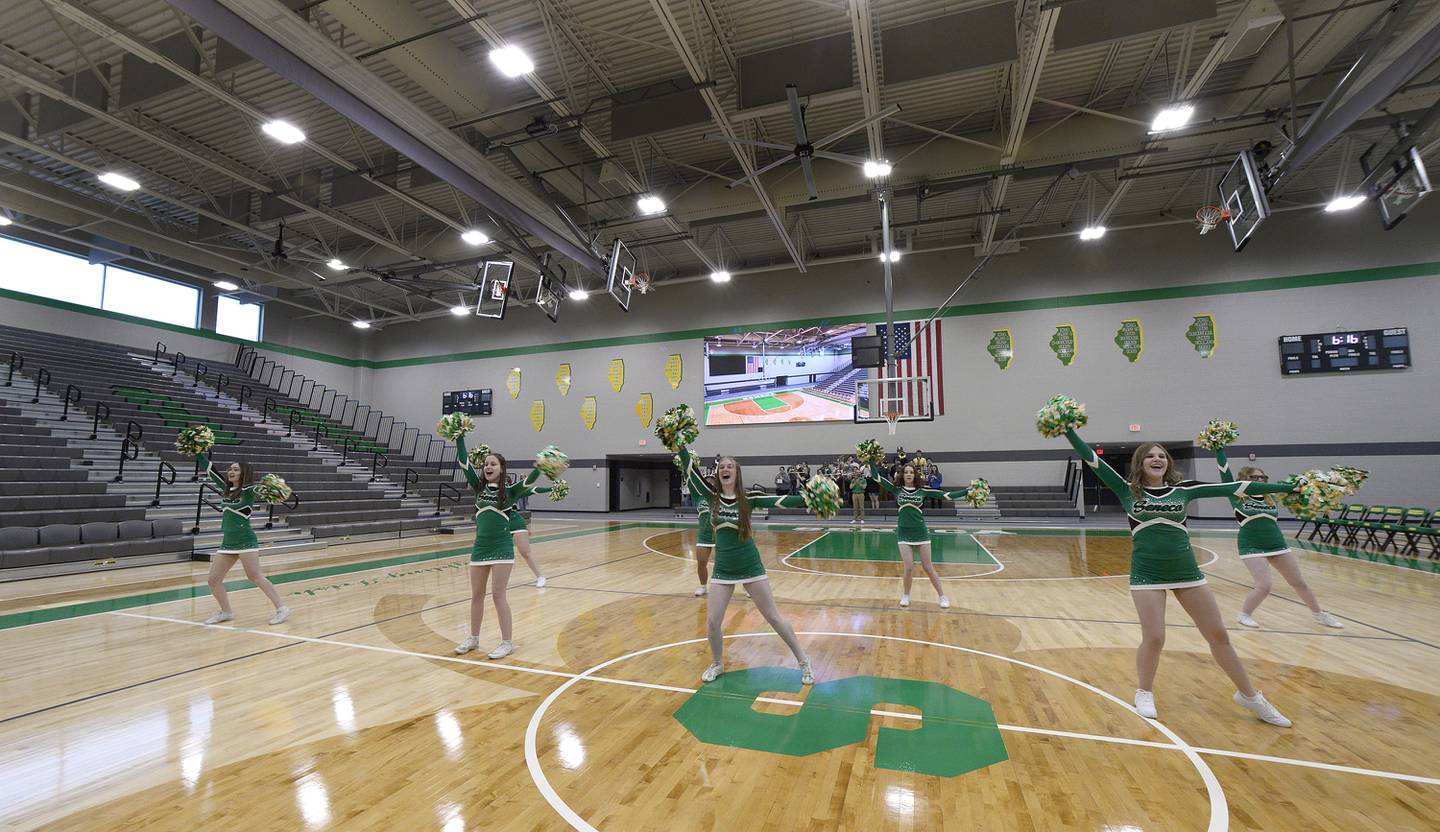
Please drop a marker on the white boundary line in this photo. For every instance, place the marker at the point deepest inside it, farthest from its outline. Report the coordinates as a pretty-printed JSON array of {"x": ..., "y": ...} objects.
[
  {"x": 1021, "y": 729},
  {"x": 786, "y": 561}
]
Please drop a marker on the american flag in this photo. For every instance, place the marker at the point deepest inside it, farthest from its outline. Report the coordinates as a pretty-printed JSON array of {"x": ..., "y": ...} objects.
[{"x": 925, "y": 357}]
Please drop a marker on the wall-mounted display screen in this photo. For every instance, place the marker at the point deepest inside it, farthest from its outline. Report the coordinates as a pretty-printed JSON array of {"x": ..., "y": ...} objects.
[
  {"x": 786, "y": 375},
  {"x": 1342, "y": 352},
  {"x": 471, "y": 402}
]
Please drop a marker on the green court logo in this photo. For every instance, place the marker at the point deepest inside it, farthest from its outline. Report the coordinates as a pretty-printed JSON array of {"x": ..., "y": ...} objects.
[{"x": 957, "y": 733}]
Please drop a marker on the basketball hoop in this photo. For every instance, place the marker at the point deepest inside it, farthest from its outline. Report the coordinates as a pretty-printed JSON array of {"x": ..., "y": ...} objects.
[
  {"x": 892, "y": 420},
  {"x": 1210, "y": 216},
  {"x": 640, "y": 282}
]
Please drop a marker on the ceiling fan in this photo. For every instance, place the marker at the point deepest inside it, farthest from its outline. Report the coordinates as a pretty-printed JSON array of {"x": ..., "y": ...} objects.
[{"x": 804, "y": 150}]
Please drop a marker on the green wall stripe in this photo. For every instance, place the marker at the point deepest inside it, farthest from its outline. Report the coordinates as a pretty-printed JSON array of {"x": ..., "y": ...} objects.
[
  {"x": 183, "y": 330},
  {"x": 1265, "y": 284}
]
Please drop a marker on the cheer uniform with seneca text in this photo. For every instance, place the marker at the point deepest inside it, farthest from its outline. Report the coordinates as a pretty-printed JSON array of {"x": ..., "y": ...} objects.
[
  {"x": 236, "y": 535},
  {"x": 1161, "y": 556},
  {"x": 736, "y": 560},
  {"x": 1260, "y": 535},
  {"x": 493, "y": 543},
  {"x": 910, "y": 525}
]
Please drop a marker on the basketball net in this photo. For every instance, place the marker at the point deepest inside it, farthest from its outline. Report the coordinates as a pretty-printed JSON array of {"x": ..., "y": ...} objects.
[
  {"x": 892, "y": 420},
  {"x": 1209, "y": 216}
]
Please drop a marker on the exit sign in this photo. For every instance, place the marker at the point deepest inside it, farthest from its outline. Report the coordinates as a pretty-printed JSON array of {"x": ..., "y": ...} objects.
[{"x": 1134, "y": 428}]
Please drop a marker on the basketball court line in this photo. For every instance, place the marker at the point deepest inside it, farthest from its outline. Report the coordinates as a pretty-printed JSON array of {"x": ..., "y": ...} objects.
[
  {"x": 1175, "y": 746},
  {"x": 1000, "y": 567}
]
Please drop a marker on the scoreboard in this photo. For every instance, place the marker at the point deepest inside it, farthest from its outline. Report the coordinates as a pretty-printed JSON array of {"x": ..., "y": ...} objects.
[
  {"x": 1343, "y": 352},
  {"x": 470, "y": 402}
]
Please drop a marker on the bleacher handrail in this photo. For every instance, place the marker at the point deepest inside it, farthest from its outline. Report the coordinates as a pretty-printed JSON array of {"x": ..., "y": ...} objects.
[
  {"x": 129, "y": 447},
  {"x": 160, "y": 480},
  {"x": 440, "y": 495},
  {"x": 292, "y": 502},
  {"x": 245, "y": 393},
  {"x": 17, "y": 362},
  {"x": 412, "y": 477},
  {"x": 160, "y": 349},
  {"x": 42, "y": 378},
  {"x": 70, "y": 388},
  {"x": 95, "y": 425},
  {"x": 378, "y": 459}
]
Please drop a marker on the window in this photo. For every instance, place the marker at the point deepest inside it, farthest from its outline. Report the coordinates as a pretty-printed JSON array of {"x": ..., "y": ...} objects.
[
  {"x": 49, "y": 274},
  {"x": 131, "y": 293},
  {"x": 238, "y": 320}
]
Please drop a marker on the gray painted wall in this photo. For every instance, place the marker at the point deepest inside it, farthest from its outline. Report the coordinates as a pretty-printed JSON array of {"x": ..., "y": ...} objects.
[{"x": 1170, "y": 392}]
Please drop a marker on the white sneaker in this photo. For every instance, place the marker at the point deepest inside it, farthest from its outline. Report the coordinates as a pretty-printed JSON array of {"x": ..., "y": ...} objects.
[
  {"x": 904, "y": 600},
  {"x": 853, "y": 522},
  {"x": 1262, "y": 708},
  {"x": 505, "y": 649},
  {"x": 539, "y": 581},
  {"x": 1145, "y": 703},
  {"x": 467, "y": 645},
  {"x": 712, "y": 672},
  {"x": 700, "y": 591},
  {"x": 281, "y": 613},
  {"x": 1329, "y": 620},
  {"x": 807, "y": 673},
  {"x": 220, "y": 617},
  {"x": 1246, "y": 621},
  {"x": 944, "y": 603}
]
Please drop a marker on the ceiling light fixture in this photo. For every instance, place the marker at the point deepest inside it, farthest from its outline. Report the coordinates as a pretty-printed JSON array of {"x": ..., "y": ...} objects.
[
  {"x": 225, "y": 286},
  {"x": 336, "y": 264},
  {"x": 4, "y": 221},
  {"x": 875, "y": 170},
  {"x": 512, "y": 61},
  {"x": 1092, "y": 232},
  {"x": 1172, "y": 118},
  {"x": 650, "y": 204},
  {"x": 579, "y": 294},
  {"x": 720, "y": 276},
  {"x": 360, "y": 324},
  {"x": 283, "y": 132},
  {"x": 119, "y": 181},
  {"x": 1345, "y": 203},
  {"x": 894, "y": 256},
  {"x": 460, "y": 311},
  {"x": 475, "y": 237}
]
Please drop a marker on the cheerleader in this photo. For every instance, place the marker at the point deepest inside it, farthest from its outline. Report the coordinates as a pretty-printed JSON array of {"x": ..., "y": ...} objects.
[
  {"x": 494, "y": 548},
  {"x": 910, "y": 527},
  {"x": 237, "y": 539},
  {"x": 1156, "y": 501},
  {"x": 704, "y": 531},
  {"x": 520, "y": 532},
  {"x": 737, "y": 561},
  {"x": 1262, "y": 546}
]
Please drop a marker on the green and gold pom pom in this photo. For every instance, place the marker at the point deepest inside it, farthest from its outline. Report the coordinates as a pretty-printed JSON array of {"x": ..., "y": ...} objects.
[
  {"x": 676, "y": 428},
  {"x": 870, "y": 452},
  {"x": 1060, "y": 414},
  {"x": 978, "y": 494},
  {"x": 1316, "y": 493},
  {"x": 822, "y": 497},
  {"x": 477, "y": 456},
  {"x": 1351, "y": 478},
  {"x": 1218, "y": 433},
  {"x": 273, "y": 489},
  {"x": 452, "y": 425},
  {"x": 195, "y": 439},
  {"x": 559, "y": 491},
  {"x": 552, "y": 462}
]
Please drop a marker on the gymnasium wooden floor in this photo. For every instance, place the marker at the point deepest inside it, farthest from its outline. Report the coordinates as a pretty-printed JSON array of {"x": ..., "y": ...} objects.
[{"x": 1008, "y": 711}]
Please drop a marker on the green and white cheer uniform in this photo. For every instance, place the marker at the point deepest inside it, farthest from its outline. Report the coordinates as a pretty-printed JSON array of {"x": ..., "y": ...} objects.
[
  {"x": 236, "y": 535},
  {"x": 493, "y": 544},
  {"x": 736, "y": 561},
  {"x": 1260, "y": 535},
  {"x": 910, "y": 526},
  {"x": 1160, "y": 553},
  {"x": 704, "y": 529},
  {"x": 516, "y": 520}
]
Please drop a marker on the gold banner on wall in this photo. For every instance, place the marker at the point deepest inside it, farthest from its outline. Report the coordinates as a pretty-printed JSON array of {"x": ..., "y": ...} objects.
[
  {"x": 616, "y": 374},
  {"x": 537, "y": 414},
  {"x": 512, "y": 382},
  {"x": 674, "y": 370},
  {"x": 562, "y": 379},
  {"x": 645, "y": 408},
  {"x": 587, "y": 412}
]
